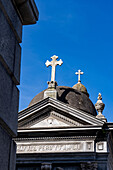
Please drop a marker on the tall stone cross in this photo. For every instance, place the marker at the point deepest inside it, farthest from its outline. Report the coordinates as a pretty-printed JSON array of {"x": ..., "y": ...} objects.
[
  {"x": 79, "y": 73},
  {"x": 53, "y": 64}
]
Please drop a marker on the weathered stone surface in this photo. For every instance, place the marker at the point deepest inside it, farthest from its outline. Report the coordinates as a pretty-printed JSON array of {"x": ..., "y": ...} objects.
[
  {"x": 24, "y": 167},
  {"x": 12, "y": 18},
  {"x": 70, "y": 96},
  {"x": 10, "y": 56},
  {"x": 12, "y": 159},
  {"x": 17, "y": 64},
  {"x": 7, "y": 151},
  {"x": 4, "y": 149},
  {"x": 103, "y": 165},
  {"x": 8, "y": 100},
  {"x": 10, "y": 50},
  {"x": 56, "y": 147},
  {"x": 7, "y": 41},
  {"x": 89, "y": 166}
]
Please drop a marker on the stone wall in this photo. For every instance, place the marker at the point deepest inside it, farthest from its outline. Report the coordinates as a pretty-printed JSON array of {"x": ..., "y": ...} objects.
[
  {"x": 110, "y": 147},
  {"x": 13, "y": 14}
]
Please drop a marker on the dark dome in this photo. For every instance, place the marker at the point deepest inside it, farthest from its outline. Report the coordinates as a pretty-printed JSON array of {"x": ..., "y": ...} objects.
[{"x": 72, "y": 97}]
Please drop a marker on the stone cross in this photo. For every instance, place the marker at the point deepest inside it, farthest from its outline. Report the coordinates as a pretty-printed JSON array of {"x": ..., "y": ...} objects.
[
  {"x": 79, "y": 73},
  {"x": 53, "y": 63}
]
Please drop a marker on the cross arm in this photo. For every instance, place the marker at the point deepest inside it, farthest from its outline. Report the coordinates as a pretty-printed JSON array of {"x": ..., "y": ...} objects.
[
  {"x": 48, "y": 63},
  {"x": 76, "y": 73},
  {"x": 60, "y": 62}
]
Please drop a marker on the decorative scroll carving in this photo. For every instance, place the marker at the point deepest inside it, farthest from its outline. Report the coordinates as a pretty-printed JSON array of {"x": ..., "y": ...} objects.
[{"x": 89, "y": 166}]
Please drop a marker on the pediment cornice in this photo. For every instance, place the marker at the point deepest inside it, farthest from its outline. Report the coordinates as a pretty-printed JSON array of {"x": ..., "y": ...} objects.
[{"x": 48, "y": 105}]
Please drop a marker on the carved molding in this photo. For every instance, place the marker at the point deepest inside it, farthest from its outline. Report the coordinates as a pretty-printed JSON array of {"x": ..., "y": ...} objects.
[
  {"x": 66, "y": 138},
  {"x": 46, "y": 104},
  {"x": 66, "y": 119},
  {"x": 36, "y": 119}
]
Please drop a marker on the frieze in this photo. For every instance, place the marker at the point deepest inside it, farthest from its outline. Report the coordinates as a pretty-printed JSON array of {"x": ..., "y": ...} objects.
[{"x": 51, "y": 147}]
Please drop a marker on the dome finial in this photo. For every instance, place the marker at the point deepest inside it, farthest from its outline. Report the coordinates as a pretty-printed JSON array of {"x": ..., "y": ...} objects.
[
  {"x": 80, "y": 87},
  {"x": 100, "y": 107},
  {"x": 99, "y": 96},
  {"x": 79, "y": 73}
]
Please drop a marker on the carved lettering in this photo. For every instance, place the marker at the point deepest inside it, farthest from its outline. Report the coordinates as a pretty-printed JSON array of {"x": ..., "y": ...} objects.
[
  {"x": 38, "y": 148},
  {"x": 50, "y": 147}
]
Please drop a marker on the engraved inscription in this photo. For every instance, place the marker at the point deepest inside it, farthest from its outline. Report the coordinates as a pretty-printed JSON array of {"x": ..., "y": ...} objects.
[
  {"x": 39, "y": 148},
  {"x": 59, "y": 146}
]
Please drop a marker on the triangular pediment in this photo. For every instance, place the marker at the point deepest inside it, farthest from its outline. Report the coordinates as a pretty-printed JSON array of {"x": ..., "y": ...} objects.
[
  {"x": 53, "y": 119},
  {"x": 49, "y": 122},
  {"x": 53, "y": 113}
]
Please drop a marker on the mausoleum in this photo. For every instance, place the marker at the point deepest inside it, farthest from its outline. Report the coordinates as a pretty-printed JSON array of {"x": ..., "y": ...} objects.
[{"x": 61, "y": 129}]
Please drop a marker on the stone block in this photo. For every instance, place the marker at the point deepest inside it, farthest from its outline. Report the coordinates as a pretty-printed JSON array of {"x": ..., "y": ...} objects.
[
  {"x": 12, "y": 161},
  {"x": 9, "y": 95},
  {"x": 12, "y": 18},
  {"x": 7, "y": 148},
  {"x": 17, "y": 64},
  {"x": 10, "y": 50},
  {"x": 4, "y": 149},
  {"x": 7, "y": 41},
  {"x": 102, "y": 166}
]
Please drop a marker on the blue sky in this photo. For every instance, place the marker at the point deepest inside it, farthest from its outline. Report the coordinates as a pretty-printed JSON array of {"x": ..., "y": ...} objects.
[{"x": 81, "y": 34}]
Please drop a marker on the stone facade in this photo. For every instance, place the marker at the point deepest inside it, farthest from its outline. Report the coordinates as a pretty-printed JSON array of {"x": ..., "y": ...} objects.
[
  {"x": 55, "y": 136},
  {"x": 13, "y": 14}
]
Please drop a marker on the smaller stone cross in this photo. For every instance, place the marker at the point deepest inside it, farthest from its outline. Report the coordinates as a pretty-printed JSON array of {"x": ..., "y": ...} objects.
[
  {"x": 53, "y": 63},
  {"x": 79, "y": 73}
]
